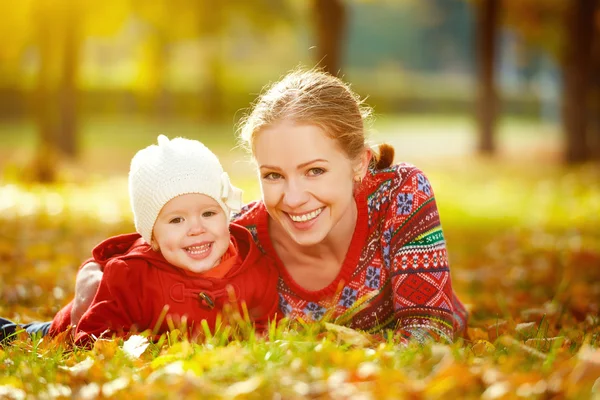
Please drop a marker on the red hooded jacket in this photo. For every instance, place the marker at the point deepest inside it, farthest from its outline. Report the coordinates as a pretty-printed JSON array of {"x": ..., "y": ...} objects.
[{"x": 138, "y": 283}]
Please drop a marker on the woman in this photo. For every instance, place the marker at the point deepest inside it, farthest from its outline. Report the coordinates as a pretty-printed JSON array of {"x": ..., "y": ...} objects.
[{"x": 355, "y": 239}]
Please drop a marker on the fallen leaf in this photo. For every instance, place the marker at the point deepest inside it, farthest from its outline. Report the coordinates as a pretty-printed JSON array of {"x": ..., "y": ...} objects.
[{"x": 135, "y": 346}]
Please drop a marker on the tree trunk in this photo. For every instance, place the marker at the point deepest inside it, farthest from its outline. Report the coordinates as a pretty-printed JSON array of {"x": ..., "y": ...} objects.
[
  {"x": 594, "y": 111},
  {"x": 47, "y": 115},
  {"x": 212, "y": 22},
  {"x": 576, "y": 76},
  {"x": 487, "y": 98},
  {"x": 330, "y": 18},
  {"x": 67, "y": 138}
]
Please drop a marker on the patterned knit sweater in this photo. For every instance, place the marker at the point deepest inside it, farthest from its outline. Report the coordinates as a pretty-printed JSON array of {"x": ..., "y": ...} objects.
[{"x": 395, "y": 275}]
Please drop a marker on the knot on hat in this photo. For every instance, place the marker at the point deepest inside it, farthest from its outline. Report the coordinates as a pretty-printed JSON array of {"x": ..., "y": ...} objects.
[{"x": 230, "y": 195}]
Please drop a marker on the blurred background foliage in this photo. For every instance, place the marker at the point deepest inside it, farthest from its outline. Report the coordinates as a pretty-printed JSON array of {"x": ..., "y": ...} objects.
[{"x": 71, "y": 74}]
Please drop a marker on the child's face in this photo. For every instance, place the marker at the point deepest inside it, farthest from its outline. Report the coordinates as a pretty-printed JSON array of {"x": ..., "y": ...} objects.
[{"x": 192, "y": 232}]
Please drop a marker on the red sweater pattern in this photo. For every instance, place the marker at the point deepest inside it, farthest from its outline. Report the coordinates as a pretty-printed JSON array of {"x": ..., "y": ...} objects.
[{"x": 396, "y": 273}]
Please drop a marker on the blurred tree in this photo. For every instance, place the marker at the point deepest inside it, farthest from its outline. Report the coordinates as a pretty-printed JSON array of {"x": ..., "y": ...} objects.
[
  {"x": 566, "y": 30},
  {"x": 58, "y": 40},
  {"x": 487, "y": 100},
  {"x": 330, "y": 23},
  {"x": 19, "y": 29},
  {"x": 577, "y": 68},
  {"x": 595, "y": 84},
  {"x": 60, "y": 29},
  {"x": 171, "y": 21}
]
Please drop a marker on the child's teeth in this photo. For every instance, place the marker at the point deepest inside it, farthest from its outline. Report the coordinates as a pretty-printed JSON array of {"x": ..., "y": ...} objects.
[{"x": 198, "y": 249}]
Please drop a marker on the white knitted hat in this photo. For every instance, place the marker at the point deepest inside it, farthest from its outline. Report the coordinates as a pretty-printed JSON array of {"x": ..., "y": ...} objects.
[{"x": 162, "y": 172}]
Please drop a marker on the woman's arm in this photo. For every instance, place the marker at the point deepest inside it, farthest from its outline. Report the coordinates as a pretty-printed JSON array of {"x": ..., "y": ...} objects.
[
  {"x": 423, "y": 296},
  {"x": 86, "y": 286}
]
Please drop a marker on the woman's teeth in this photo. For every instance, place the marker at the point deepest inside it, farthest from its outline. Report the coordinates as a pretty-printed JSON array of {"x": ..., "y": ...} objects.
[
  {"x": 198, "y": 249},
  {"x": 306, "y": 217}
]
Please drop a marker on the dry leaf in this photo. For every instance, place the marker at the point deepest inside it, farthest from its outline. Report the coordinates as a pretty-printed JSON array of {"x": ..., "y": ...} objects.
[{"x": 135, "y": 346}]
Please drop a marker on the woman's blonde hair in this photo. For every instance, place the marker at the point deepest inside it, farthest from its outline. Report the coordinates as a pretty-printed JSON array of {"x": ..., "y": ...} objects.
[{"x": 317, "y": 98}]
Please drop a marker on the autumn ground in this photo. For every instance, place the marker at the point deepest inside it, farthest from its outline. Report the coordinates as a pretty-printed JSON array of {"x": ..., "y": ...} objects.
[{"x": 523, "y": 234}]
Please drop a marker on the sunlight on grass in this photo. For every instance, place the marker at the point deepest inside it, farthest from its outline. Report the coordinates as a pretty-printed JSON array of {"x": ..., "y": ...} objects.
[{"x": 106, "y": 201}]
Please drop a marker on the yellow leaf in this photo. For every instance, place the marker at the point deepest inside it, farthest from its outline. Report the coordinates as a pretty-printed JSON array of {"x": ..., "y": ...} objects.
[
  {"x": 482, "y": 347},
  {"x": 348, "y": 335},
  {"x": 80, "y": 368}
]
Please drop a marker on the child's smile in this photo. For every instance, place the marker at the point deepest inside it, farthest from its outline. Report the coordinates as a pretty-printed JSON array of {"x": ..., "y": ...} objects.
[{"x": 192, "y": 232}]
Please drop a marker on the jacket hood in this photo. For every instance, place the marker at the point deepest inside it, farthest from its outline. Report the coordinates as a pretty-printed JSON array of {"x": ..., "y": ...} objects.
[{"x": 132, "y": 246}]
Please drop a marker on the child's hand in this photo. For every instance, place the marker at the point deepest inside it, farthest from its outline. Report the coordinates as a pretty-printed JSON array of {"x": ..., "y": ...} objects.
[{"x": 86, "y": 286}]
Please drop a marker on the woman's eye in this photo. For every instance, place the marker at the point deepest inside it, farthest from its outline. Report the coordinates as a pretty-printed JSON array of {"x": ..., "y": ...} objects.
[
  {"x": 176, "y": 220},
  {"x": 316, "y": 171},
  {"x": 272, "y": 176}
]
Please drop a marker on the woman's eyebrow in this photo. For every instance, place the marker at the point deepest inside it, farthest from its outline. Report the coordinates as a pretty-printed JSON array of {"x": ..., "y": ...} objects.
[{"x": 300, "y": 166}]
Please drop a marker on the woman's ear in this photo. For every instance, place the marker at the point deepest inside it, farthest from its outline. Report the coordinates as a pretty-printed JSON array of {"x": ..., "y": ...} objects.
[{"x": 362, "y": 164}]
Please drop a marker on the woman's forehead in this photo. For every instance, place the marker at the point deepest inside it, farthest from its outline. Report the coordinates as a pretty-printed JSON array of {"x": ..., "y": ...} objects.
[{"x": 295, "y": 143}]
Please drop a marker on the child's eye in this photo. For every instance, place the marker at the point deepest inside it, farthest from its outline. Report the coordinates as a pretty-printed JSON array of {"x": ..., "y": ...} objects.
[
  {"x": 272, "y": 176},
  {"x": 207, "y": 214},
  {"x": 176, "y": 220},
  {"x": 316, "y": 171}
]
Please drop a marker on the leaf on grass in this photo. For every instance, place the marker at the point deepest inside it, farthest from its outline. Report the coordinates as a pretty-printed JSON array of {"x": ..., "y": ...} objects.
[
  {"x": 245, "y": 387},
  {"x": 587, "y": 369},
  {"x": 11, "y": 392},
  {"x": 135, "y": 346},
  {"x": 509, "y": 341},
  {"x": 89, "y": 391},
  {"x": 497, "y": 390},
  {"x": 545, "y": 344},
  {"x": 174, "y": 368},
  {"x": 80, "y": 368},
  {"x": 476, "y": 334},
  {"x": 105, "y": 347},
  {"x": 526, "y": 328},
  {"x": 56, "y": 343},
  {"x": 112, "y": 387},
  {"x": 482, "y": 347},
  {"x": 348, "y": 335},
  {"x": 54, "y": 391},
  {"x": 499, "y": 328}
]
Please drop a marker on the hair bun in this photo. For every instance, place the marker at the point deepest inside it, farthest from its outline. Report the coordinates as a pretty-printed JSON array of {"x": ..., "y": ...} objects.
[{"x": 386, "y": 156}]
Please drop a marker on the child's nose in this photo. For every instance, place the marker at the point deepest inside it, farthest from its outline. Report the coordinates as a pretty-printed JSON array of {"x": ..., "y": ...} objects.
[{"x": 196, "y": 228}]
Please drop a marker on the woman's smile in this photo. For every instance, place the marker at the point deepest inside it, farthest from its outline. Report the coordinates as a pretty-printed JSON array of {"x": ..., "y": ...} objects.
[{"x": 306, "y": 216}]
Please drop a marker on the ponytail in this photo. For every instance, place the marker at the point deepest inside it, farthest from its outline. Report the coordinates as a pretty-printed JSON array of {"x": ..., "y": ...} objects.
[{"x": 383, "y": 158}]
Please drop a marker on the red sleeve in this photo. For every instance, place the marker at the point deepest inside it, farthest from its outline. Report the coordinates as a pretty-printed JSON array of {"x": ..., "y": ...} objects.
[
  {"x": 117, "y": 306},
  {"x": 266, "y": 297}
]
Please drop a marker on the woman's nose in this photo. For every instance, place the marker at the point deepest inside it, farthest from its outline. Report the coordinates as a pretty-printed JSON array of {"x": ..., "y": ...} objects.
[{"x": 295, "y": 195}]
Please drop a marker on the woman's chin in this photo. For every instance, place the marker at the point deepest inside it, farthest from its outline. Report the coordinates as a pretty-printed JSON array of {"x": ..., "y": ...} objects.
[{"x": 306, "y": 237}]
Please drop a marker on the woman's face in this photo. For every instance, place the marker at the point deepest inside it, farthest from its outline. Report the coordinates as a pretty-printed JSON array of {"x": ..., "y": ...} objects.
[{"x": 306, "y": 180}]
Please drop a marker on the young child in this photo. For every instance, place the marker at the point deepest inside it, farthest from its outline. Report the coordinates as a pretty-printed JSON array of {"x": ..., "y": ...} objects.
[{"x": 186, "y": 259}]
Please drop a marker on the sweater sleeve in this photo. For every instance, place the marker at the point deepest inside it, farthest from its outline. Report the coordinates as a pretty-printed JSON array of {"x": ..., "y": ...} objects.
[
  {"x": 414, "y": 245},
  {"x": 117, "y": 306}
]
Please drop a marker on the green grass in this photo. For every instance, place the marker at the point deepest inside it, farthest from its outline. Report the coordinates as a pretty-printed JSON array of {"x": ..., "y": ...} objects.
[{"x": 523, "y": 234}]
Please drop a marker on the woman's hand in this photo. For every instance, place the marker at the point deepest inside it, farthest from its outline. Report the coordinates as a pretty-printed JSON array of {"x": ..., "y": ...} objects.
[{"x": 86, "y": 286}]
